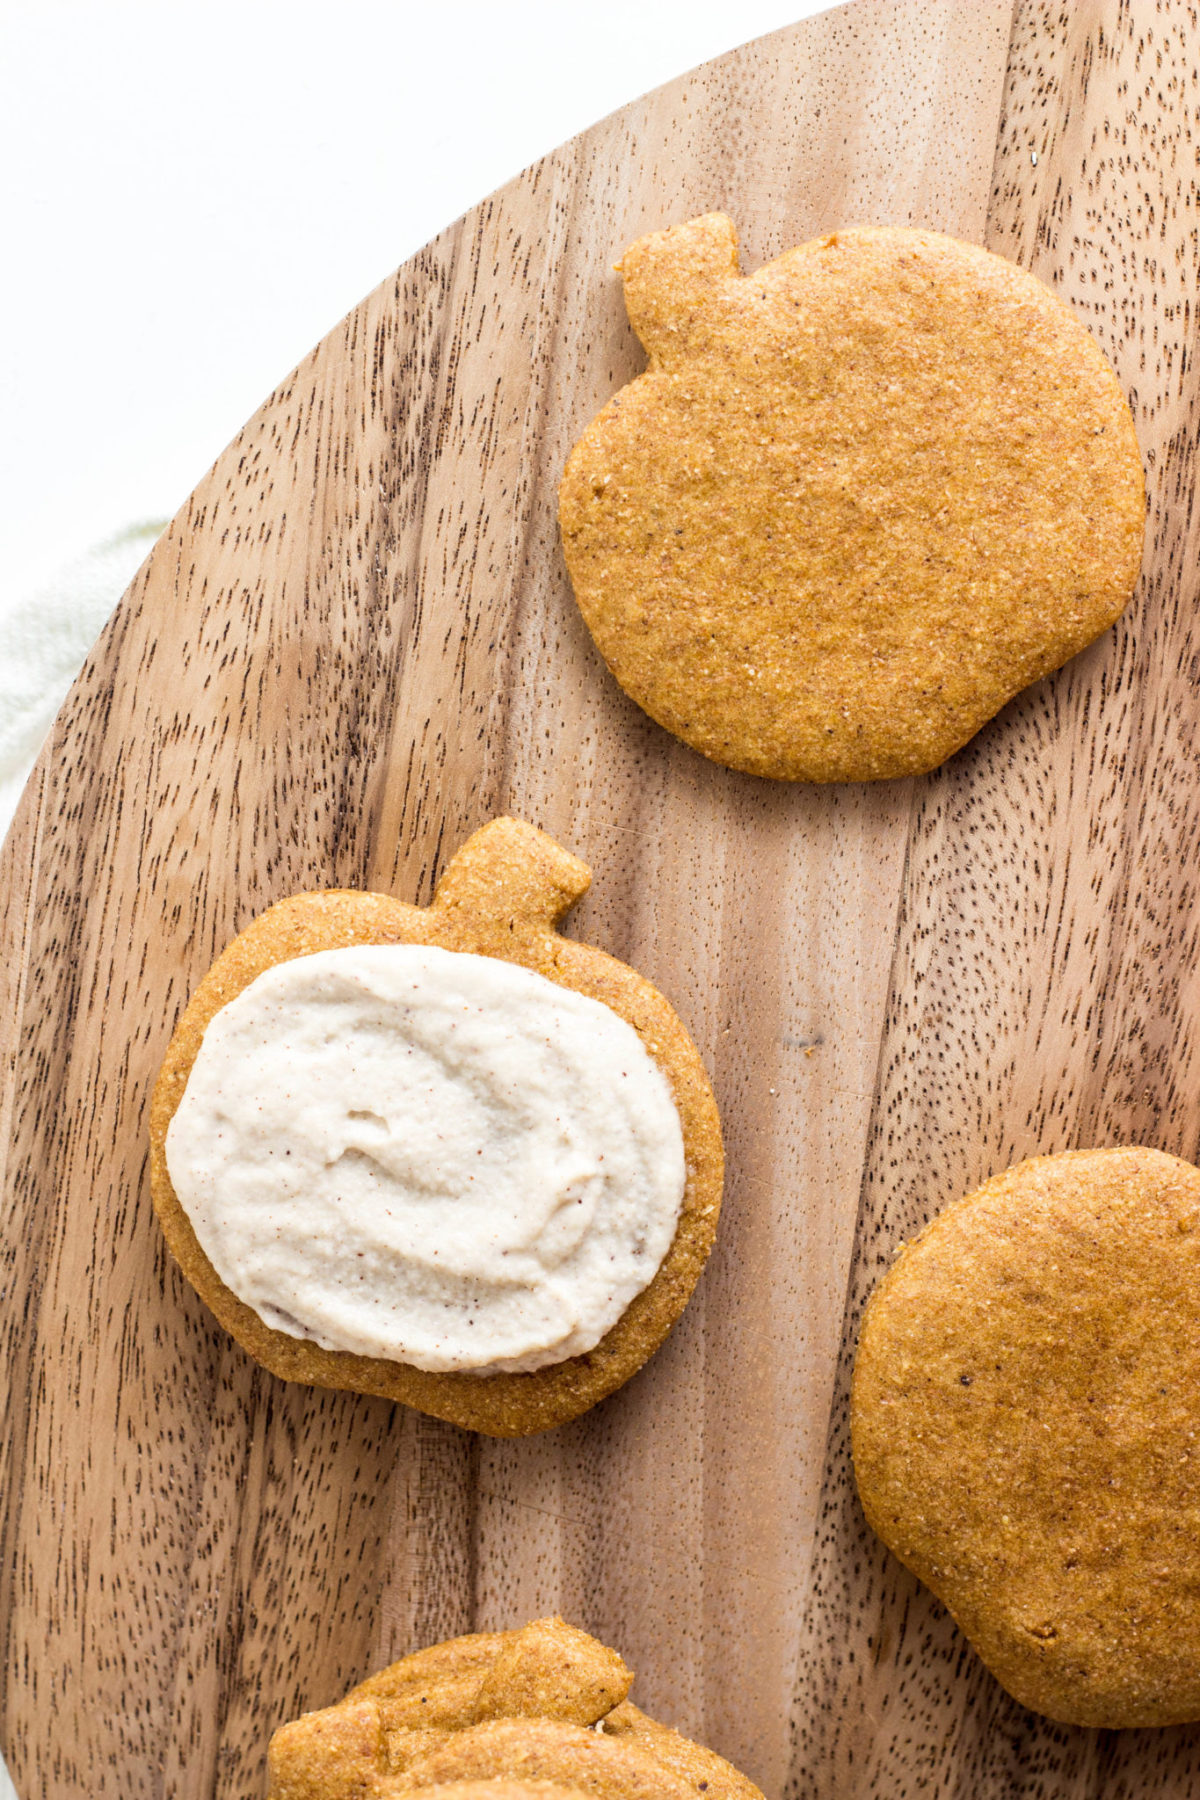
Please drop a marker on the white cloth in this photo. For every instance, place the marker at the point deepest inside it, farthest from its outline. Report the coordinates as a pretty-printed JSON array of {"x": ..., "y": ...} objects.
[{"x": 44, "y": 640}]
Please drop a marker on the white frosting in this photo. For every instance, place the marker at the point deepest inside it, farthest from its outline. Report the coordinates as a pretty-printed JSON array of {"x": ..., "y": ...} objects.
[{"x": 437, "y": 1158}]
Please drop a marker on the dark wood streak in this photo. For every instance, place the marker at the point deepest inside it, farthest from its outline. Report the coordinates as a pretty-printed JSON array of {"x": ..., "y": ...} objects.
[{"x": 355, "y": 643}]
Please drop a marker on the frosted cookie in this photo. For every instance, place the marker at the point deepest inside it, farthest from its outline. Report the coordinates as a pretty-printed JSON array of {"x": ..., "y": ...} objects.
[
  {"x": 441, "y": 1154},
  {"x": 545, "y": 1705},
  {"x": 1023, "y": 1417},
  {"x": 857, "y": 501}
]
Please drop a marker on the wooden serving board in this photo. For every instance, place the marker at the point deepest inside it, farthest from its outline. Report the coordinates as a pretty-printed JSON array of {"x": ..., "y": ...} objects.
[{"x": 354, "y": 644}]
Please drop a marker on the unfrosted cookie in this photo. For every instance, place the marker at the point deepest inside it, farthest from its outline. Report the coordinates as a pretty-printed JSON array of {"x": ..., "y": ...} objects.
[
  {"x": 498, "y": 902},
  {"x": 544, "y": 1706},
  {"x": 858, "y": 500},
  {"x": 1025, "y": 1429}
]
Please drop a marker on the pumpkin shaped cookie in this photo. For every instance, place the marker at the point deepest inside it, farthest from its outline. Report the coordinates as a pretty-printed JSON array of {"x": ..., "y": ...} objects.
[
  {"x": 1023, "y": 1417},
  {"x": 441, "y": 1154},
  {"x": 858, "y": 500},
  {"x": 544, "y": 1706}
]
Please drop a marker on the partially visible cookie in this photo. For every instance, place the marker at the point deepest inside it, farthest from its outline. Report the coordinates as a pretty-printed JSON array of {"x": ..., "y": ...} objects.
[
  {"x": 501, "y": 1788},
  {"x": 1025, "y": 1434},
  {"x": 858, "y": 500},
  {"x": 542, "y": 1708},
  {"x": 500, "y": 900}
]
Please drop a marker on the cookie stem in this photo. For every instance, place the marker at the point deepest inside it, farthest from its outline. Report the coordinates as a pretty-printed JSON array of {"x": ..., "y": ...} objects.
[{"x": 511, "y": 870}]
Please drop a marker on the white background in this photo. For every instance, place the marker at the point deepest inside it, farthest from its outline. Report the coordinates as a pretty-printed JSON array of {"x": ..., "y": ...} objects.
[{"x": 196, "y": 193}]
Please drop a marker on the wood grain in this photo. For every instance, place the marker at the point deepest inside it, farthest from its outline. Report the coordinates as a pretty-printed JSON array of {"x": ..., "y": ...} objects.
[{"x": 353, "y": 645}]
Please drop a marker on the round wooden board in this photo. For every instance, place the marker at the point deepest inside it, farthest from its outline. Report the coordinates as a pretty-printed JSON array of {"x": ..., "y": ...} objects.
[{"x": 354, "y": 644}]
